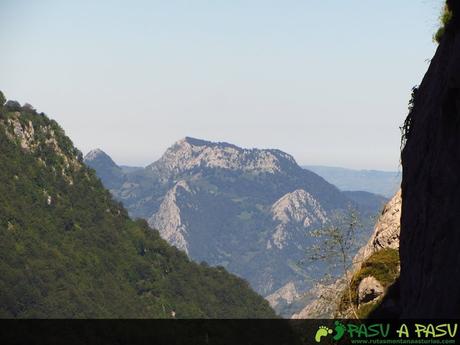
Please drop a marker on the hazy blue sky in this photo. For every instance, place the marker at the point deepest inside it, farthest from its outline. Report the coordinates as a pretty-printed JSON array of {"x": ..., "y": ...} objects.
[{"x": 327, "y": 81}]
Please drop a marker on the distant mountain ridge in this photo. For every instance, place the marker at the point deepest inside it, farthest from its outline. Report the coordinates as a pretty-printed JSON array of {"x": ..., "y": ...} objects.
[
  {"x": 106, "y": 167},
  {"x": 384, "y": 183},
  {"x": 248, "y": 210},
  {"x": 190, "y": 153}
]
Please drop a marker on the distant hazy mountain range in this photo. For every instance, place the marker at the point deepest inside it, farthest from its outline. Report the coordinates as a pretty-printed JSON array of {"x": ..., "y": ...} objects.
[
  {"x": 385, "y": 183},
  {"x": 248, "y": 210}
]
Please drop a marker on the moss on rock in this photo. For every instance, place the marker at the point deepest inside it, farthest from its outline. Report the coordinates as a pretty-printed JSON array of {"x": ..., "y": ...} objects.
[{"x": 383, "y": 266}]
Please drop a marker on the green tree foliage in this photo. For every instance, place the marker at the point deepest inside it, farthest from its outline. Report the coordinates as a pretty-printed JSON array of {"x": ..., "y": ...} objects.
[
  {"x": 68, "y": 250},
  {"x": 444, "y": 19},
  {"x": 2, "y": 99},
  {"x": 338, "y": 243}
]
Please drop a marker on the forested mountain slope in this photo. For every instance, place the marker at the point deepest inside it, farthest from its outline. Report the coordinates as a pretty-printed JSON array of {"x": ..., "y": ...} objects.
[{"x": 68, "y": 250}]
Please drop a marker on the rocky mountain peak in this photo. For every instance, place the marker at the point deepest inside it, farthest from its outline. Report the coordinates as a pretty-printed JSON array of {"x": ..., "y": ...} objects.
[
  {"x": 105, "y": 167},
  {"x": 298, "y": 209},
  {"x": 189, "y": 153},
  {"x": 299, "y": 206},
  {"x": 98, "y": 155}
]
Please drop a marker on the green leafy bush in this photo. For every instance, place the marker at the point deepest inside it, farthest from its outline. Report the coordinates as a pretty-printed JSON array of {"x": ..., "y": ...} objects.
[
  {"x": 444, "y": 19},
  {"x": 2, "y": 99}
]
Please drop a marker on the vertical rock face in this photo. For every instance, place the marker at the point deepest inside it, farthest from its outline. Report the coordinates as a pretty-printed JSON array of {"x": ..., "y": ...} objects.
[
  {"x": 168, "y": 218},
  {"x": 386, "y": 232},
  {"x": 430, "y": 225}
]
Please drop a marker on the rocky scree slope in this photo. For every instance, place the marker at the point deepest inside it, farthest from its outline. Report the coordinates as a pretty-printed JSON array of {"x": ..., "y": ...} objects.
[
  {"x": 248, "y": 210},
  {"x": 69, "y": 251}
]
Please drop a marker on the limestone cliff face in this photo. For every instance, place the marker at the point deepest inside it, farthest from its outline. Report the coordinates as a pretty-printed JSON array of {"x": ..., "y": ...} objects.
[
  {"x": 294, "y": 210},
  {"x": 33, "y": 138},
  {"x": 287, "y": 294},
  {"x": 386, "y": 232},
  {"x": 168, "y": 218},
  {"x": 430, "y": 225}
]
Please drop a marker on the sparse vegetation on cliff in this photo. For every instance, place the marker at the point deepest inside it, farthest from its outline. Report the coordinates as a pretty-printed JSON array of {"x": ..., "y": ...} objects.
[
  {"x": 384, "y": 267},
  {"x": 444, "y": 19},
  {"x": 406, "y": 127},
  {"x": 337, "y": 244}
]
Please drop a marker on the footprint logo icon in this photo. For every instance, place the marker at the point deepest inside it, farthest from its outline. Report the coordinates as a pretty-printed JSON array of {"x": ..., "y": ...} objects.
[
  {"x": 339, "y": 330},
  {"x": 322, "y": 332}
]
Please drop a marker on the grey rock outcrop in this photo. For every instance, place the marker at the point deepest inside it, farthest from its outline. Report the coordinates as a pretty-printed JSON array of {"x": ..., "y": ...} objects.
[
  {"x": 386, "y": 232},
  {"x": 286, "y": 294},
  {"x": 298, "y": 208},
  {"x": 168, "y": 218},
  {"x": 190, "y": 153},
  {"x": 369, "y": 289},
  {"x": 322, "y": 301}
]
